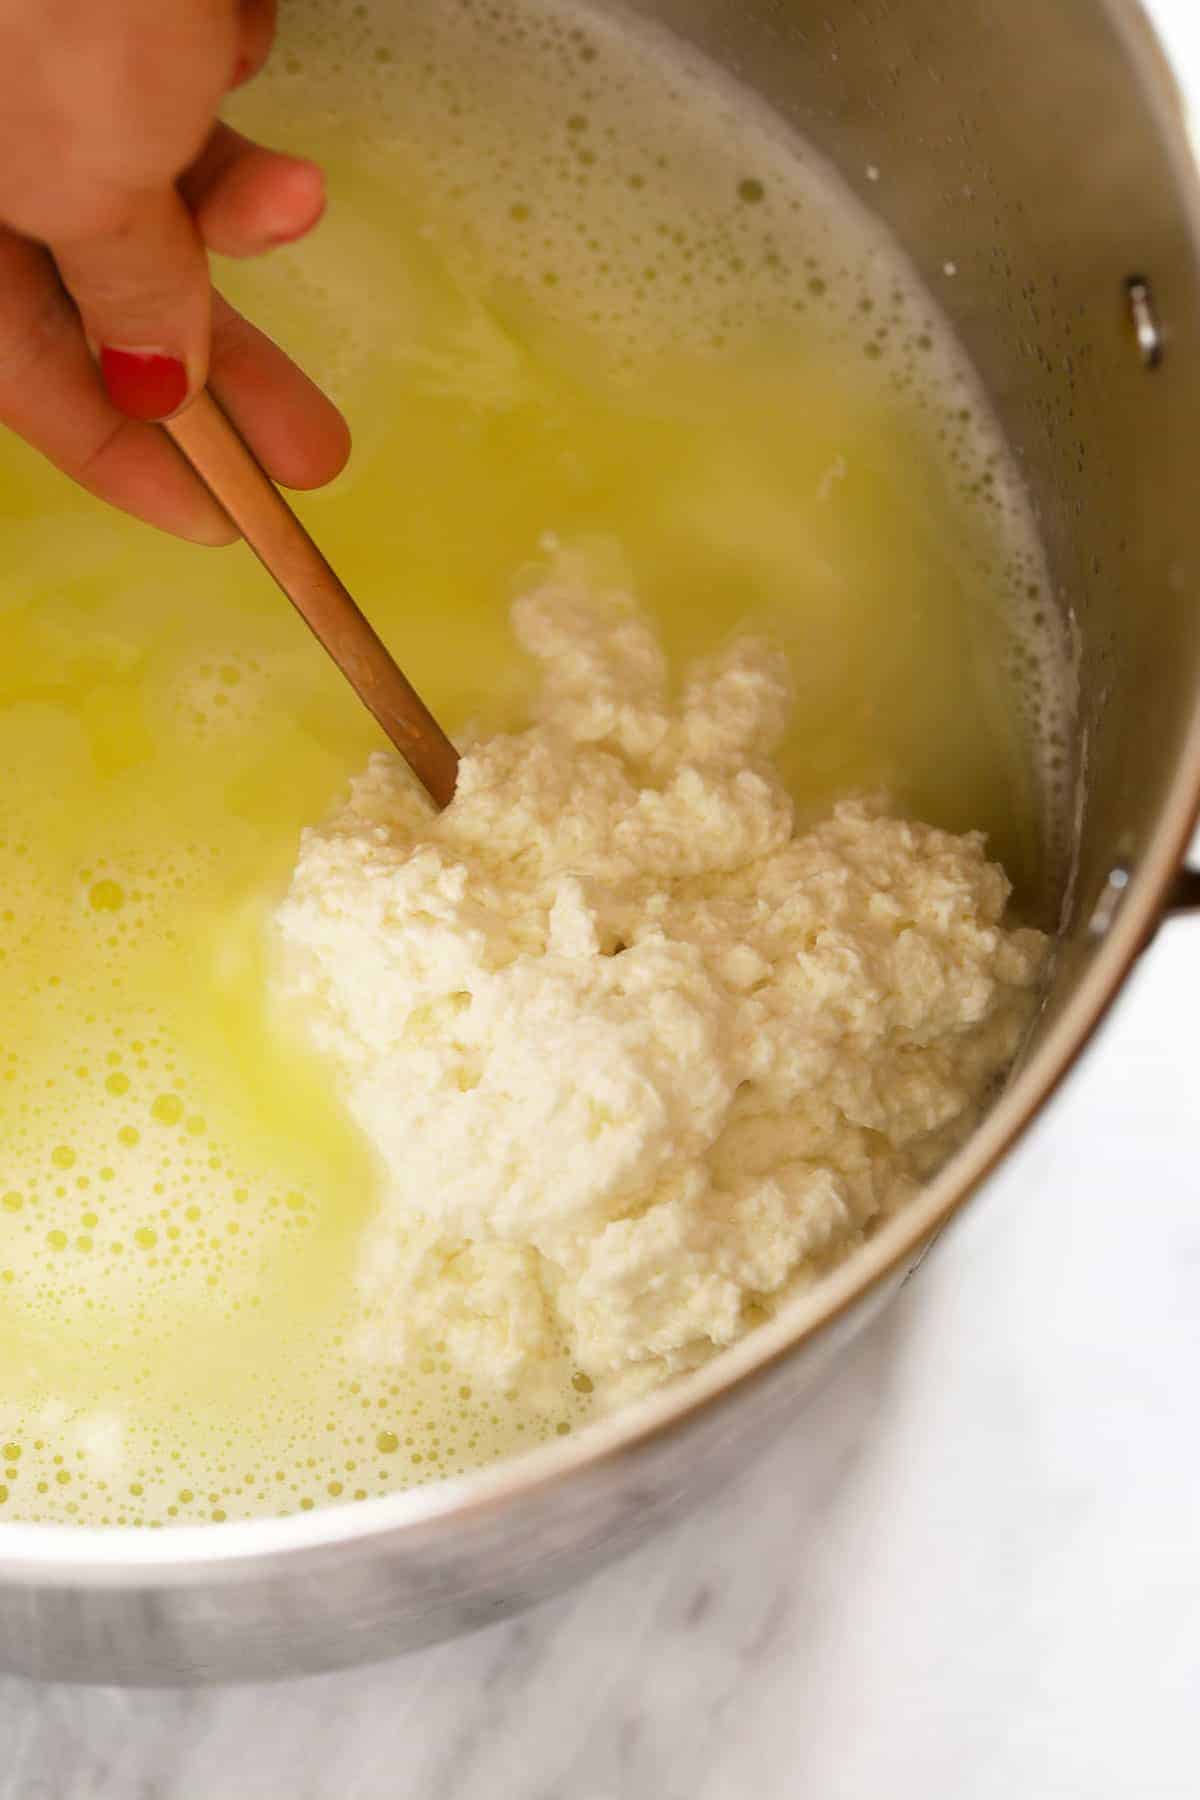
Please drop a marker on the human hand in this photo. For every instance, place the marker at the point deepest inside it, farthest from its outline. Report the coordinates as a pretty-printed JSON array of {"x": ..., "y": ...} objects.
[{"x": 115, "y": 184}]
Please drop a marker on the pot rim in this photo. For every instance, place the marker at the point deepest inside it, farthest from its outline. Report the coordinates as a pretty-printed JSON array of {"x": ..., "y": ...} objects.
[{"x": 84, "y": 1556}]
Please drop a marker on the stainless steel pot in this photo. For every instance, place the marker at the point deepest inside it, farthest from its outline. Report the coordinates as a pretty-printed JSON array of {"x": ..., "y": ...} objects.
[{"x": 1043, "y": 150}]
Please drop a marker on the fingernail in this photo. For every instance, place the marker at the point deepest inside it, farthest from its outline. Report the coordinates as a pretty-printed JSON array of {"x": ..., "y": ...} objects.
[{"x": 144, "y": 384}]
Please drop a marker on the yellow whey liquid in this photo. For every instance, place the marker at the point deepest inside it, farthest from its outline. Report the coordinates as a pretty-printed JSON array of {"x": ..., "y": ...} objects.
[{"x": 570, "y": 283}]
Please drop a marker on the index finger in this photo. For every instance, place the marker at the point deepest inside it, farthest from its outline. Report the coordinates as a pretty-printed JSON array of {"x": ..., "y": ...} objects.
[{"x": 51, "y": 395}]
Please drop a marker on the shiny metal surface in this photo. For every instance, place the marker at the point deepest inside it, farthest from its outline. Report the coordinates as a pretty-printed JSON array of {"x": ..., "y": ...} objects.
[{"x": 1040, "y": 150}]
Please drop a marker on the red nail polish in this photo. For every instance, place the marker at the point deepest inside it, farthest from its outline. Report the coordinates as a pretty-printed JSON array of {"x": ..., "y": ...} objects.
[{"x": 144, "y": 384}]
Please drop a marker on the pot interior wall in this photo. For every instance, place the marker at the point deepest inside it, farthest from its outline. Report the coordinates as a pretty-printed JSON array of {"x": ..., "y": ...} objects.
[{"x": 1035, "y": 148}]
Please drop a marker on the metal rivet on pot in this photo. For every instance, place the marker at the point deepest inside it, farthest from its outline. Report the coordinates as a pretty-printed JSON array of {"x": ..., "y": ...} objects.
[
  {"x": 1109, "y": 904},
  {"x": 1144, "y": 314}
]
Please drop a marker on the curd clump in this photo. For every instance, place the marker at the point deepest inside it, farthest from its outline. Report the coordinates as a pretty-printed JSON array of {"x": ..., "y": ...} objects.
[{"x": 636, "y": 1054}]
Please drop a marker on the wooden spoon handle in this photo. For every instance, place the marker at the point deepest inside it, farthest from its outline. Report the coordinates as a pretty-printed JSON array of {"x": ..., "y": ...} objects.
[{"x": 232, "y": 474}]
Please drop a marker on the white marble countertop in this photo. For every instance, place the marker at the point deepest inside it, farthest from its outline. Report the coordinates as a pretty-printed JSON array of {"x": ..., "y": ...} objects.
[{"x": 970, "y": 1572}]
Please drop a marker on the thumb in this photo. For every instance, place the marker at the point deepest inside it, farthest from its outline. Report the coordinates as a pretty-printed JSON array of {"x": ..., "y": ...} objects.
[{"x": 141, "y": 284}]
